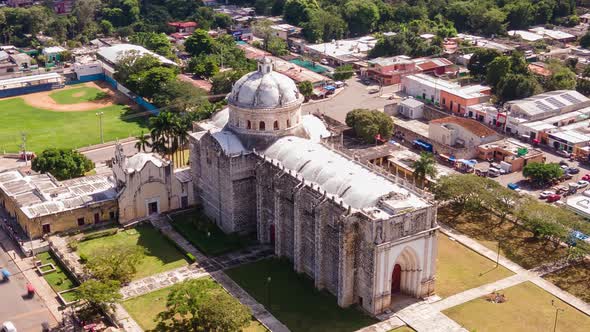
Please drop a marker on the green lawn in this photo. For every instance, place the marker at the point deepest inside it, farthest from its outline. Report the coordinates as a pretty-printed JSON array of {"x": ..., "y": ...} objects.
[
  {"x": 516, "y": 243},
  {"x": 459, "y": 268},
  {"x": 205, "y": 235},
  {"x": 47, "y": 129},
  {"x": 575, "y": 279},
  {"x": 145, "y": 309},
  {"x": 77, "y": 95},
  {"x": 58, "y": 280},
  {"x": 528, "y": 308},
  {"x": 160, "y": 255},
  {"x": 294, "y": 300}
]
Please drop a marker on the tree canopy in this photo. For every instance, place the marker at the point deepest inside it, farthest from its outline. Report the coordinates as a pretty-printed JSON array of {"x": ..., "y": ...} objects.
[
  {"x": 367, "y": 124},
  {"x": 63, "y": 164},
  {"x": 114, "y": 262},
  {"x": 542, "y": 173}
]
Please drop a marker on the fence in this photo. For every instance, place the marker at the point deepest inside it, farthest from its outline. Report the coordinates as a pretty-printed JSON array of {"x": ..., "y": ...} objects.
[
  {"x": 87, "y": 78},
  {"x": 28, "y": 89}
]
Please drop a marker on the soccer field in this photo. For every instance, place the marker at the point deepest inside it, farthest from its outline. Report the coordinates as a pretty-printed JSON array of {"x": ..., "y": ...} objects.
[{"x": 46, "y": 128}]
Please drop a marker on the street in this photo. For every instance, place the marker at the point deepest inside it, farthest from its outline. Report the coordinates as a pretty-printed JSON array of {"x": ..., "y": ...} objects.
[
  {"x": 103, "y": 154},
  {"x": 26, "y": 314}
]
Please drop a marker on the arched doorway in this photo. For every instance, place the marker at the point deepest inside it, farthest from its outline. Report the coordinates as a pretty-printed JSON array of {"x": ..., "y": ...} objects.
[{"x": 396, "y": 278}]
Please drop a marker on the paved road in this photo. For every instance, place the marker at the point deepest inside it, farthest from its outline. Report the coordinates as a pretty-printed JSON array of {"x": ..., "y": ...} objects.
[
  {"x": 355, "y": 95},
  {"x": 106, "y": 153},
  {"x": 26, "y": 314}
]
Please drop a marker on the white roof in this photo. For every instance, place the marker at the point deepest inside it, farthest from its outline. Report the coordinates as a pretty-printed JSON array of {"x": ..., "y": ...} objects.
[
  {"x": 32, "y": 78},
  {"x": 111, "y": 53},
  {"x": 553, "y": 34},
  {"x": 136, "y": 162},
  {"x": 346, "y": 47},
  {"x": 549, "y": 103},
  {"x": 53, "y": 49},
  {"x": 571, "y": 136},
  {"x": 579, "y": 204},
  {"x": 412, "y": 103},
  {"x": 3, "y": 56},
  {"x": 525, "y": 35},
  {"x": 356, "y": 185},
  {"x": 264, "y": 89},
  {"x": 468, "y": 91}
]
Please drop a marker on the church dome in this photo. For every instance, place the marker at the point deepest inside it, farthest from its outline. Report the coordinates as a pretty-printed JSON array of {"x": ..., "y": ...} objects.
[{"x": 264, "y": 89}]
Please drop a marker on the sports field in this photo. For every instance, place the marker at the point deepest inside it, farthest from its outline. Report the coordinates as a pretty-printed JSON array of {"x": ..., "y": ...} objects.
[
  {"x": 77, "y": 94},
  {"x": 48, "y": 123}
]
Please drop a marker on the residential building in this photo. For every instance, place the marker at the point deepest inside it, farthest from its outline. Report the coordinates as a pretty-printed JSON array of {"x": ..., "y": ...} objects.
[
  {"x": 284, "y": 31},
  {"x": 553, "y": 34},
  {"x": 526, "y": 35},
  {"x": 344, "y": 51},
  {"x": 449, "y": 95},
  {"x": 510, "y": 151},
  {"x": 184, "y": 27},
  {"x": 53, "y": 53},
  {"x": 110, "y": 56},
  {"x": 460, "y": 132},
  {"x": 411, "y": 108},
  {"x": 22, "y": 60}
]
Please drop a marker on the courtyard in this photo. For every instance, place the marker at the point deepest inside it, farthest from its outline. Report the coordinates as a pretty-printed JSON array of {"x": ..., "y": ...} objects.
[
  {"x": 293, "y": 300},
  {"x": 72, "y": 125},
  {"x": 459, "y": 268},
  {"x": 205, "y": 235},
  {"x": 145, "y": 309},
  {"x": 59, "y": 280},
  {"x": 159, "y": 254},
  {"x": 527, "y": 308}
]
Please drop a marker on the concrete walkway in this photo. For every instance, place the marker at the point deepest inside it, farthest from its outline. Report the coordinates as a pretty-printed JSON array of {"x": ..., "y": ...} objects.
[
  {"x": 161, "y": 280},
  {"x": 127, "y": 323},
  {"x": 422, "y": 317}
]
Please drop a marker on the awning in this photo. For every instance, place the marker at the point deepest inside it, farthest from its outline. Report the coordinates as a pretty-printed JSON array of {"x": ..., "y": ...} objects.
[{"x": 470, "y": 163}]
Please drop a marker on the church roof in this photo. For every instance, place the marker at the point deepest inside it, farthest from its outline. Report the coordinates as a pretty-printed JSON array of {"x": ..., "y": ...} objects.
[
  {"x": 356, "y": 185},
  {"x": 138, "y": 161},
  {"x": 264, "y": 89}
]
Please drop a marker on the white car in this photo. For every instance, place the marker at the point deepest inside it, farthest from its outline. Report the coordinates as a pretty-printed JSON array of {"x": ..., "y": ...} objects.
[
  {"x": 546, "y": 193},
  {"x": 324, "y": 62},
  {"x": 583, "y": 183},
  {"x": 8, "y": 327}
]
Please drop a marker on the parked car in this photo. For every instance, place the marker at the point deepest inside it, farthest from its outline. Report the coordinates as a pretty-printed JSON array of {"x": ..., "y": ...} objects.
[
  {"x": 563, "y": 162},
  {"x": 563, "y": 153},
  {"x": 513, "y": 186},
  {"x": 324, "y": 62},
  {"x": 8, "y": 327},
  {"x": 566, "y": 176},
  {"x": 564, "y": 167},
  {"x": 373, "y": 90},
  {"x": 553, "y": 198},
  {"x": 339, "y": 84},
  {"x": 559, "y": 189},
  {"x": 583, "y": 183},
  {"x": 586, "y": 177},
  {"x": 493, "y": 172},
  {"x": 573, "y": 170},
  {"x": 546, "y": 193}
]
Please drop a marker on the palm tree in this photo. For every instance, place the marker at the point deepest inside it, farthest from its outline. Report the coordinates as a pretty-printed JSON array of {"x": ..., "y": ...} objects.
[
  {"x": 142, "y": 142},
  {"x": 423, "y": 167},
  {"x": 162, "y": 132}
]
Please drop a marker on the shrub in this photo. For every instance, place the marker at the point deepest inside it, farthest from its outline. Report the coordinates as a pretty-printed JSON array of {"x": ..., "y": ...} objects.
[{"x": 99, "y": 234}]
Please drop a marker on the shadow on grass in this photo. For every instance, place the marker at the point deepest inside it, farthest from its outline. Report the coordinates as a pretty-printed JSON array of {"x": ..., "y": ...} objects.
[
  {"x": 156, "y": 245},
  {"x": 99, "y": 96}
]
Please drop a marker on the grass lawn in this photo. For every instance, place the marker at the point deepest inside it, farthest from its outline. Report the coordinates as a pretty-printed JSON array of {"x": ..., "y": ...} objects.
[
  {"x": 77, "y": 95},
  {"x": 145, "y": 309},
  {"x": 459, "y": 268},
  {"x": 49, "y": 129},
  {"x": 528, "y": 308},
  {"x": 575, "y": 279},
  {"x": 517, "y": 244},
  {"x": 294, "y": 300},
  {"x": 58, "y": 280},
  {"x": 160, "y": 255},
  {"x": 205, "y": 235}
]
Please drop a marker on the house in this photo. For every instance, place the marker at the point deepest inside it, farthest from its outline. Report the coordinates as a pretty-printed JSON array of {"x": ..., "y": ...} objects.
[
  {"x": 53, "y": 53},
  {"x": 284, "y": 31},
  {"x": 411, "y": 108},
  {"x": 525, "y": 35},
  {"x": 110, "y": 56},
  {"x": 63, "y": 6},
  {"x": 460, "y": 132},
  {"x": 449, "y": 95},
  {"x": 22, "y": 60},
  {"x": 554, "y": 34},
  {"x": 344, "y": 51},
  {"x": 515, "y": 153},
  {"x": 184, "y": 27},
  {"x": 19, "y": 3},
  {"x": 390, "y": 70}
]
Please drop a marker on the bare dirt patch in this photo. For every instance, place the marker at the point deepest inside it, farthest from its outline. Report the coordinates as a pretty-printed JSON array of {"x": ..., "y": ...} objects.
[{"x": 44, "y": 101}]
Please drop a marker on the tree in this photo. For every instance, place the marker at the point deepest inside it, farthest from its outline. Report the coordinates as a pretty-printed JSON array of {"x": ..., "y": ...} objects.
[
  {"x": 85, "y": 12},
  {"x": 423, "y": 167},
  {"x": 62, "y": 163},
  {"x": 562, "y": 78},
  {"x": 297, "y": 11},
  {"x": 517, "y": 86},
  {"x": 199, "y": 43},
  {"x": 157, "y": 42},
  {"x": 142, "y": 142},
  {"x": 493, "y": 22},
  {"x": 544, "y": 220},
  {"x": 324, "y": 26},
  {"x": 498, "y": 68},
  {"x": 132, "y": 62},
  {"x": 306, "y": 89},
  {"x": 114, "y": 262},
  {"x": 203, "y": 65},
  {"x": 150, "y": 82},
  {"x": 541, "y": 173},
  {"x": 361, "y": 15},
  {"x": 368, "y": 124},
  {"x": 343, "y": 72},
  {"x": 585, "y": 40},
  {"x": 199, "y": 305},
  {"x": 277, "y": 46},
  {"x": 222, "y": 83},
  {"x": 106, "y": 27},
  {"x": 222, "y": 21},
  {"x": 179, "y": 96},
  {"x": 99, "y": 292},
  {"x": 583, "y": 86},
  {"x": 480, "y": 60},
  {"x": 466, "y": 191},
  {"x": 520, "y": 14}
]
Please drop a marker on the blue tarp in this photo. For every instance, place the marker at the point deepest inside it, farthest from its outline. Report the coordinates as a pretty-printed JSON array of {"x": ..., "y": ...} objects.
[
  {"x": 470, "y": 163},
  {"x": 513, "y": 186},
  {"x": 423, "y": 145},
  {"x": 579, "y": 235},
  {"x": 330, "y": 87}
]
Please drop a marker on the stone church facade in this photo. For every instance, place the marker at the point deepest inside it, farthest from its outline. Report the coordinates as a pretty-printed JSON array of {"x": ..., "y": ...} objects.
[{"x": 259, "y": 166}]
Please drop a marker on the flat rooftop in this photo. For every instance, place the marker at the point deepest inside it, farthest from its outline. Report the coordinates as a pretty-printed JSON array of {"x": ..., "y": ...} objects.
[{"x": 40, "y": 194}]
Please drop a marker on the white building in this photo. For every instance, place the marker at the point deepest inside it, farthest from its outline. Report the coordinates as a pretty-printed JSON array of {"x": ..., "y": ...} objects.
[
  {"x": 525, "y": 35},
  {"x": 553, "y": 34},
  {"x": 547, "y": 104},
  {"x": 411, "y": 108},
  {"x": 344, "y": 51}
]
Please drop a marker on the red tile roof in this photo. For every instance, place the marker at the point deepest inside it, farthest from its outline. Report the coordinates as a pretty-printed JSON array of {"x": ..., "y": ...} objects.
[
  {"x": 473, "y": 126},
  {"x": 189, "y": 24}
]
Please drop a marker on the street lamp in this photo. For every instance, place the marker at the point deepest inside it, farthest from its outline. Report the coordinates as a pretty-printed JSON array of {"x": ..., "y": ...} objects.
[
  {"x": 268, "y": 280},
  {"x": 100, "y": 114},
  {"x": 557, "y": 310},
  {"x": 498, "y": 256}
]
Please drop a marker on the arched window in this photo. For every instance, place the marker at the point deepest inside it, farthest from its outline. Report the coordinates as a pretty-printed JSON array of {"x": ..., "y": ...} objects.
[
  {"x": 248, "y": 125},
  {"x": 261, "y": 126},
  {"x": 288, "y": 123},
  {"x": 276, "y": 125}
]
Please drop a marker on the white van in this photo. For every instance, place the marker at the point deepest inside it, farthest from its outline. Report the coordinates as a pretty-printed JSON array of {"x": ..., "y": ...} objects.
[{"x": 8, "y": 327}]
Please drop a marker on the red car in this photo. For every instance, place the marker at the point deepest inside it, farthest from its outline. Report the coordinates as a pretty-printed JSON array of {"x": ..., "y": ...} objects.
[
  {"x": 586, "y": 177},
  {"x": 553, "y": 198}
]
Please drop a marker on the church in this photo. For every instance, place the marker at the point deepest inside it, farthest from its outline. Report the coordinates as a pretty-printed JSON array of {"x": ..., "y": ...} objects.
[{"x": 260, "y": 166}]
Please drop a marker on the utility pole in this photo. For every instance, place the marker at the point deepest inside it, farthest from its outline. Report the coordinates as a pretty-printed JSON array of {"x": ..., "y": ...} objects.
[
  {"x": 23, "y": 146},
  {"x": 100, "y": 114}
]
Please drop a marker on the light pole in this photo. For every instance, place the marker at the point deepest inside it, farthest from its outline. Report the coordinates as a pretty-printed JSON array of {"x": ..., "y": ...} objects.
[
  {"x": 268, "y": 292},
  {"x": 557, "y": 310},
  {"x": 498, "y": 256},
  {"x": 100, "y": 114}
]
